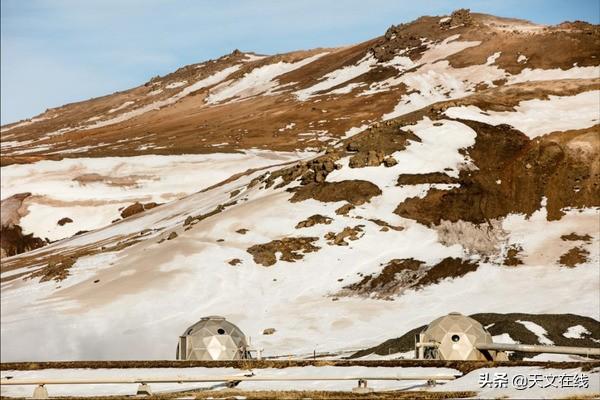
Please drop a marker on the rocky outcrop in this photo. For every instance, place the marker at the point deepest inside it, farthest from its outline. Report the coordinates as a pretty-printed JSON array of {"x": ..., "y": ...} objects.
[
  {"x": 12, "y": 239},
  {"x": 355, "y": 192},
  {"x": 513, "y": 175}
]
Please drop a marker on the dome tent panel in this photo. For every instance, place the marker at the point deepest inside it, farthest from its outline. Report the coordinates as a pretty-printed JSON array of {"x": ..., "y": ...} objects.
[{"x": 212, "y": 338}]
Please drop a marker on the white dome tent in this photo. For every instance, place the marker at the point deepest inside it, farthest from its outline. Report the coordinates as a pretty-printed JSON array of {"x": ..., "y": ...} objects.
[
  {"x": 213, "y": 338},
  {"x": 454, "y": 337}
]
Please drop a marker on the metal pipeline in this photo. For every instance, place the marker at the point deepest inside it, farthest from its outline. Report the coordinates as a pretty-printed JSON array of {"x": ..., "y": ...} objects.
[{"x": 536, "y": 348}]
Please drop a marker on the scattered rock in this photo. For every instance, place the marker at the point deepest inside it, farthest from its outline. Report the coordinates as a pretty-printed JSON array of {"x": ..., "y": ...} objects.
[
  {"x": 290, "y": 249},
  {"x": 512, "y": 259},
  {"x": 234, "y": 261},
  {"x": 345, "y": 209},
  {"x": 242, "y": 231},
  {"x": 352, "y": 146},
  {"x": 133, "y": 209},
  {"x": 137, "y": 208},
  {"x": 65, "y": 220},
  {"x": 339, "y": 239},
  {"x": 390, "y": 161},
  {"x": 172, "y": 235},
  {"x": 269, "y": 331},
  {"x": 188, "y": 220},
  {"x": 314, "y": 220}
]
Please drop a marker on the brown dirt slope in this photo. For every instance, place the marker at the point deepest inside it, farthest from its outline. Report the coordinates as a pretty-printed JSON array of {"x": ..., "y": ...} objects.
[{"x": 192, "y": 126}]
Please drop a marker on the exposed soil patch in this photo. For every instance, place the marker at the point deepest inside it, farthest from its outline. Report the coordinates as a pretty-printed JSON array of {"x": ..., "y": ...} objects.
[
  {"x": 575, "y": 237},
  {"x": 574, "y": 257},
  {"x": 399, "y": 275},
  {"x": 291, "y": 249},
  {"x": 355, "y": 192},
  {"x": 57, "y": 269},
  {"x": 314, "y": 220},
  {"x": 339, "y": 239},
  {"x": 124, "y": 181},
  {"x": 497, "y": 324}
]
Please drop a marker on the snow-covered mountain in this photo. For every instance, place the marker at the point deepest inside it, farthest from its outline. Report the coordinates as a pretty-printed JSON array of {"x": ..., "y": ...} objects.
[{"x": 340, "y": 196}]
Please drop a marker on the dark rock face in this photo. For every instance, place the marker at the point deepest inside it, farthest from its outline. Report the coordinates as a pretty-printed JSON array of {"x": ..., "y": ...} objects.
[
  {"x": 514, "y": 174},
  {"x": 14, "y": 242}
]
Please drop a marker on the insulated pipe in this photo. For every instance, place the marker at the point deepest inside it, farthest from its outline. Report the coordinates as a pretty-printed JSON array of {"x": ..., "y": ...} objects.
[{"x": 536, "y": 348}]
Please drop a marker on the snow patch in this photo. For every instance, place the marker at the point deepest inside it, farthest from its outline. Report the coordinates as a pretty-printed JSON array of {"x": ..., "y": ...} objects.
[
  {"x": 538, "y": 117},
  {"x": 259, "y": 80},
  {"x": 338, "y": 77}
]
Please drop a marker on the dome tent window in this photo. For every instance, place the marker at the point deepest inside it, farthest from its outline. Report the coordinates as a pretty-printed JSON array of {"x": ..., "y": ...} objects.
[{"x": 213, "y": 338}]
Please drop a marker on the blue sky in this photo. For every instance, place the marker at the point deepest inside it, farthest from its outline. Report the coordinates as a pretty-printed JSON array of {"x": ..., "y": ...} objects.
[{"x": 59, "y": 51}]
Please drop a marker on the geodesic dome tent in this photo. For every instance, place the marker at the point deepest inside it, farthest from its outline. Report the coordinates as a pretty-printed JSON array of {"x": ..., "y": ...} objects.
[
  {"x": 212, "y": 338},
  {"x": 454, "y": 337}
]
